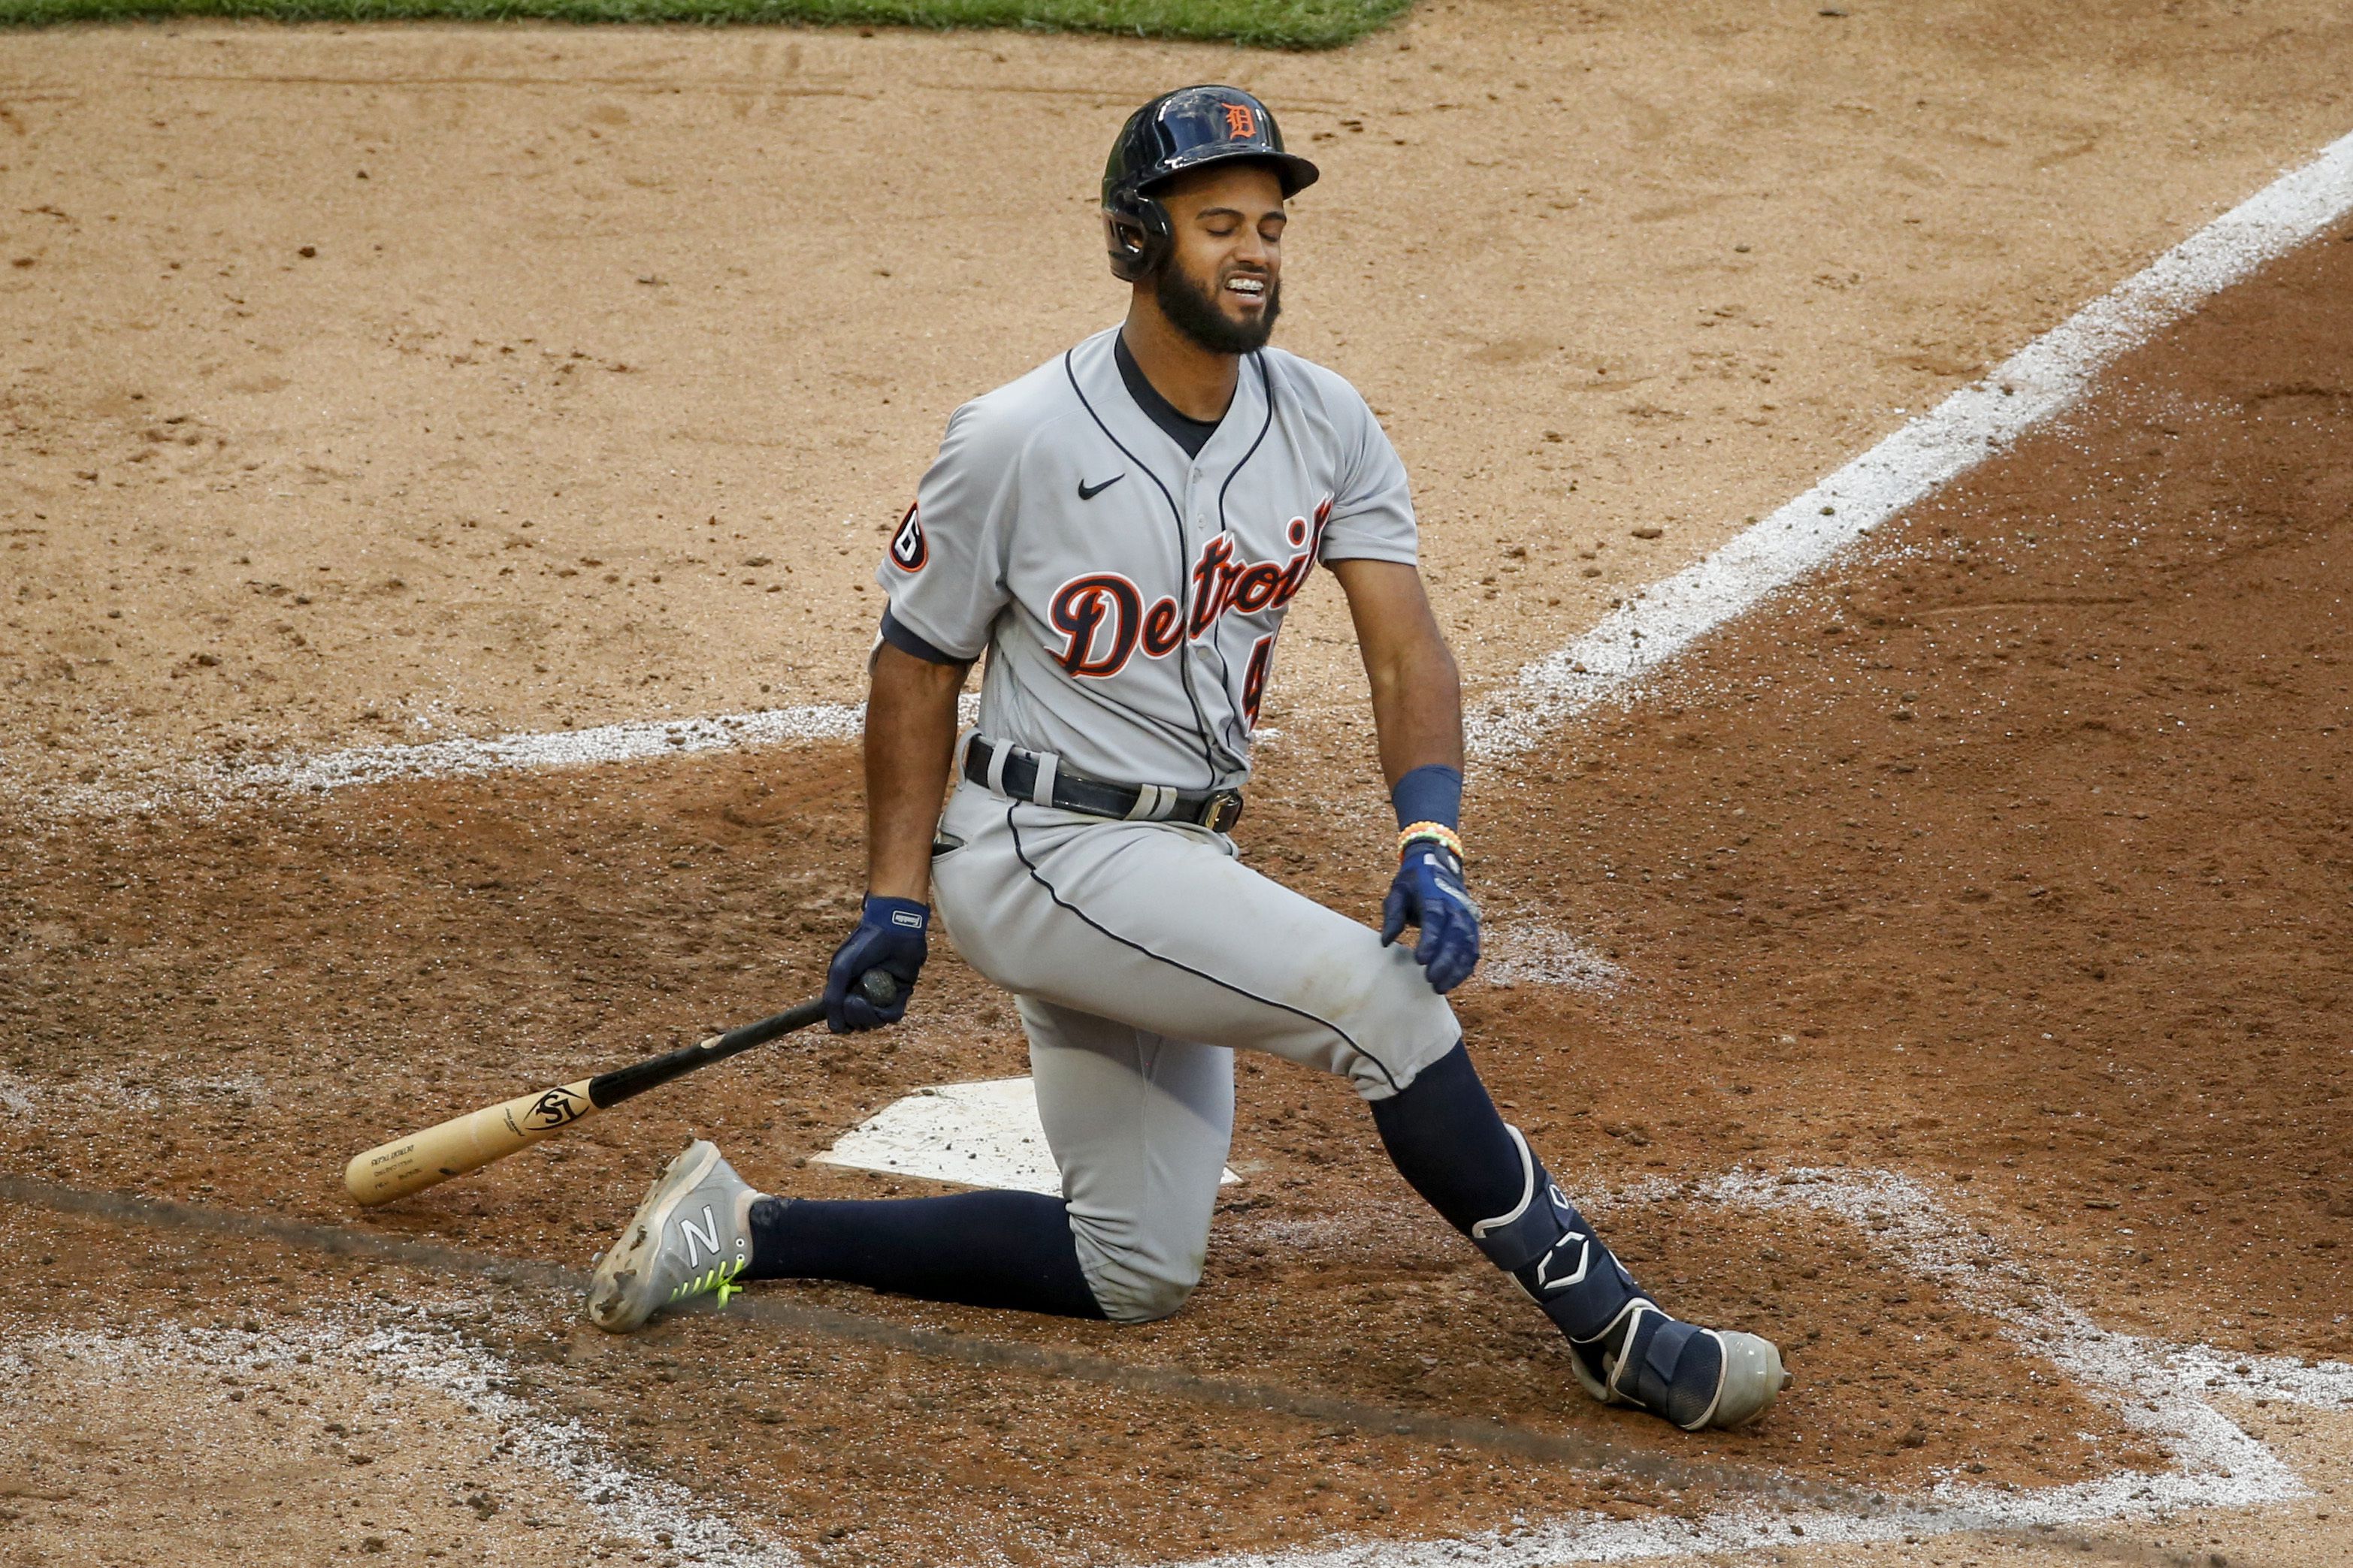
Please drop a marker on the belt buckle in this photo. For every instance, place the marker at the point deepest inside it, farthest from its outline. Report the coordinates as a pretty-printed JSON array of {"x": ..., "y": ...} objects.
[{"x": 1224, "y": 809}]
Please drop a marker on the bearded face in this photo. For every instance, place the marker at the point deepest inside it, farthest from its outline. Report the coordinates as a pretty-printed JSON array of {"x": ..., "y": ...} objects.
[
  {"x": 1232, "y": 314},
  {"x": 1223, "y": 284}
]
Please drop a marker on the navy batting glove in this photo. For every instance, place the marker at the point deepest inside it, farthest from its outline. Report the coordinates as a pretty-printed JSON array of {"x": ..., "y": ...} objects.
[
  {"x": 889, "y": 937},
  {"x": 1428, "y": 893}
]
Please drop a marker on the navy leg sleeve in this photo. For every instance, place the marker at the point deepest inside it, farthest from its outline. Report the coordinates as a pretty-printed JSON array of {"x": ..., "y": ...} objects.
[
  {"x": 980, "y": 1249},
  {"x": 1448, "y": 1140}
]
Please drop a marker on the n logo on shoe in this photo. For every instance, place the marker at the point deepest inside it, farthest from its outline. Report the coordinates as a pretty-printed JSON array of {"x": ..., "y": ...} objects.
[{"x": 708, "y": 1237}]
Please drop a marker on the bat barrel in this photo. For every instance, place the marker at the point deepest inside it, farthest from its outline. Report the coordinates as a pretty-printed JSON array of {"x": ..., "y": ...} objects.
[
  {"x": 464, "y": 1143},
  {"x": 468, "y": 1143}
]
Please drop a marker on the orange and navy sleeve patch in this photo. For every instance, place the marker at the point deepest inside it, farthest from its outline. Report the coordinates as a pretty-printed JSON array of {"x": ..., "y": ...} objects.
[{"x": 908, "y": 550}]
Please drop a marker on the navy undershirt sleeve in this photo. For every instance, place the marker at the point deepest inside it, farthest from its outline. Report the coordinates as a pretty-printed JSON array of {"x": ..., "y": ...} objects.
[{"x": 907, "y": 642}]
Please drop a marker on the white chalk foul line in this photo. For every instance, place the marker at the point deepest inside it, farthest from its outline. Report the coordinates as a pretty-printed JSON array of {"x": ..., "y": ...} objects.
[
  {"x": 2039, "y": 381},
  {"x": 465, "y": 758},
  {"x": 1524, "y": 951},
  {"x": 2158, "y": 1389}
]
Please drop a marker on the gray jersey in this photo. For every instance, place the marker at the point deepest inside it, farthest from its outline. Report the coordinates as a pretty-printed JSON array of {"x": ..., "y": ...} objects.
[{"x": 1128, "y": 595}]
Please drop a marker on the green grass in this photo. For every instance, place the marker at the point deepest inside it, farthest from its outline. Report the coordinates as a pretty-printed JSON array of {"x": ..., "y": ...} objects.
[{"x": 1264, "y": 23}]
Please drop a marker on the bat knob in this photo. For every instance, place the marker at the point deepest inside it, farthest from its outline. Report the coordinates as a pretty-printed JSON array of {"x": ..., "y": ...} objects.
[{"x": 880, "y": 986}]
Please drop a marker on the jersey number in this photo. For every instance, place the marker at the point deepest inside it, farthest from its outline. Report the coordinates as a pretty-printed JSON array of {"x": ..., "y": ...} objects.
[
  {"x": 1262, "y": 661},
  {"x": 907, "y": 546}
]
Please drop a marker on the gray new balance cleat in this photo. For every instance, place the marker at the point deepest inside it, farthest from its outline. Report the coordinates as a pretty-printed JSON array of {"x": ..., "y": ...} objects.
[
  {"x": 690, "y": 1237},
  {"x": 1694, "y": 1377}
]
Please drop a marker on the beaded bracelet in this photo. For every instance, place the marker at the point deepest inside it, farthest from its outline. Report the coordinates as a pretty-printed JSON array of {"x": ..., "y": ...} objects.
[{"x": 1436, "y": 831}]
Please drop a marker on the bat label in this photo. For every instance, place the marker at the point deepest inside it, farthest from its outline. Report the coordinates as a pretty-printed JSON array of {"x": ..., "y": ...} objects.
[{"x": 553, "y": 1109}]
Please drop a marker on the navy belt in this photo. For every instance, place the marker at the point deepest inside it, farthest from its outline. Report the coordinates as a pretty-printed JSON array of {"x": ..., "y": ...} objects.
[{"x": 1017, "y": 774}]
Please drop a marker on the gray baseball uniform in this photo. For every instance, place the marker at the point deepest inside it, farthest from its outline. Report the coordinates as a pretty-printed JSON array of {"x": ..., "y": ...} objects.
[{"x": 1128, "y": 590}]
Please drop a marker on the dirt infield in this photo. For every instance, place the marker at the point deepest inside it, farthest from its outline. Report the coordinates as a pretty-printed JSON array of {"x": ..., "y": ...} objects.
[
  {"x": 382, "y": 383},
  {"x": 2043, "y": 811},
  {"x": 1994, "y": 885},
  {"x": 2011, "y": 858}
]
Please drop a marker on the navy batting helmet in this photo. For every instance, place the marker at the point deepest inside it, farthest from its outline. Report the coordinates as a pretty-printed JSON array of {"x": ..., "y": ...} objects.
[{"x": 1175, "y": 131}]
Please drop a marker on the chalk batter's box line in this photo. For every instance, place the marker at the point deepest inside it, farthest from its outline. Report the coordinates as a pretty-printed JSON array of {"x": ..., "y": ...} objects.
[{"x": 1579, "y": 1452}]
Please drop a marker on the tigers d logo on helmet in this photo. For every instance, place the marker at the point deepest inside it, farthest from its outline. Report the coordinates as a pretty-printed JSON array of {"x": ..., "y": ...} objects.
[
  {"x": 908, "y": 548},
  {"x": 1187, "y": 128}
]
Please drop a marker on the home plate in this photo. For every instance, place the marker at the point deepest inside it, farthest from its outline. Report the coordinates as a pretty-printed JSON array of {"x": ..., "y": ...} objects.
[{"x": 982, "y": 1135}]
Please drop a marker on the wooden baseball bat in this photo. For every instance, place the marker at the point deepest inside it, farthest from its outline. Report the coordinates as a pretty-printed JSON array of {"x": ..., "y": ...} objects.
[{"x": 468, "y": 1143}]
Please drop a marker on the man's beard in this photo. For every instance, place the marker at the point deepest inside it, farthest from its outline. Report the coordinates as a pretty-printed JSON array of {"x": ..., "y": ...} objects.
[{"x": 1193, "y": 312}]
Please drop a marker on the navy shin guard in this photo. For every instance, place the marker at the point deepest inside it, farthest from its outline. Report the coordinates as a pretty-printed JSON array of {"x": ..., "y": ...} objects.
[
  {"x": 1626, "y": 1350},
  {"x": 1546, "y": 1246},
  {"x": 1447, "y": 1139}
]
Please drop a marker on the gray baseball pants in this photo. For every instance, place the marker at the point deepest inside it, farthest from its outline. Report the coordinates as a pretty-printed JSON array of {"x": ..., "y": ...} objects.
[{"x": 1143, "y": 955}]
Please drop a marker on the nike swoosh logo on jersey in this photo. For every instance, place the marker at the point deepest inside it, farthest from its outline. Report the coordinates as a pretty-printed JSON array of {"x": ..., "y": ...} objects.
[{"x": 1089, "y": 492}]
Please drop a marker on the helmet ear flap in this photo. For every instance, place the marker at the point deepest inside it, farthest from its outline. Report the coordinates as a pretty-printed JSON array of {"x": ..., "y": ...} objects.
[{"x": 1138, "y": 238}]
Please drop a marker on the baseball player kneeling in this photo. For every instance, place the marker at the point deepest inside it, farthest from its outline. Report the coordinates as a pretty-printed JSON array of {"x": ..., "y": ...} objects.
[{"x": 1120, "y": 531}]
